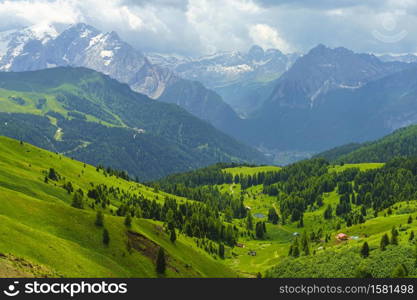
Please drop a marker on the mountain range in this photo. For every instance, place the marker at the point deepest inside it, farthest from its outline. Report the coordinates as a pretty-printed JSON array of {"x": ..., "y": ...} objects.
[
  {"x": 86, "y": 118},
  {"x": 284, "y": 104},
  {"x": 235, "y": 75},
  {"x": 81, "y": 45},
  {"x": 332, "y": 97},
  {"x": 303, "y": 104},
  {"x": 94, "y": 118}
]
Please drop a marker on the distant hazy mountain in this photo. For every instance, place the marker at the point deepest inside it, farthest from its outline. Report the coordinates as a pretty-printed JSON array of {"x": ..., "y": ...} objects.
[
  {"x": 82, "y": 45},
  {"x": 406, "y": 58},
  {"x": 331, "y": 97},
  {"x": 324, "y": 69},
  {"x": 89, "y": 116},
  {"x": 238, "y": 77}
]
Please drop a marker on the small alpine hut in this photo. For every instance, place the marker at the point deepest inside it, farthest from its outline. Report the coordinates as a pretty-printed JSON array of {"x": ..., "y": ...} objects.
[{"x": 342, "y": 237}]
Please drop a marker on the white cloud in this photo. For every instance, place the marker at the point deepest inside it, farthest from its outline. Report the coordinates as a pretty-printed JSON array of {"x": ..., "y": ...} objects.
[
  {"x": 196, "y": 27},
  {"x": 220, "y": 24},
  {"x": 34, "y": 12},
  {"x": 268, "y": 37}
]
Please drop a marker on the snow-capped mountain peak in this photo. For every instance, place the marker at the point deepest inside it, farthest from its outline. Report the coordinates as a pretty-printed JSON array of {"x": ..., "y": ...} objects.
[
  {"x": 229, "y": 67},
  {"x": 42, "y": 31}
]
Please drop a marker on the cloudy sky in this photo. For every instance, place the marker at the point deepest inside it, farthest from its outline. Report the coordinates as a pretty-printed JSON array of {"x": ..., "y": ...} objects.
[{"x": 197, "y": 27}]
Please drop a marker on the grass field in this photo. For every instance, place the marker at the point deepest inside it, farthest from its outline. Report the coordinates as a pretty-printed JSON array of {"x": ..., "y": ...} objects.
[
  {"x": 274, "y": 248},
  {"x": 251, "y": 170},
  {"x": 40, "y": 227},
  {"x": 362, "y": 167},
  {"x": 32, "y": 210}
]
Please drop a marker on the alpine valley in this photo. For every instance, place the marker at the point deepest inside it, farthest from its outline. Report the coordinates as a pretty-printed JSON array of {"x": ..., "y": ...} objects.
[{"x": 116, "y": 162}]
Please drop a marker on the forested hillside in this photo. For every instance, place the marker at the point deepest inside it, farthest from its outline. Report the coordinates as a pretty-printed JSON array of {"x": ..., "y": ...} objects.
[
  {"x": 86, "y": 115},
  {"x": 221, "y": 221},
  {"x": 402, "y": 142},
  {"x": 313, "y": 218},
  {"x": 63, "y": 218}
]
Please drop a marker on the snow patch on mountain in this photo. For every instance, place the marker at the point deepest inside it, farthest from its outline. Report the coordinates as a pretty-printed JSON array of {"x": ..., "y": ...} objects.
[
  {"x": 43, "y": 32},
  {"x": 95, "y": 40},
  {"x": 225, "y": 68},
  {"x": 230, "y": 70}
]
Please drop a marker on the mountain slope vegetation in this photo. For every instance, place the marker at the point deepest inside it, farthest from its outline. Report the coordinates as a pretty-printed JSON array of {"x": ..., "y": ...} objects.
[
  {"x": 229, "y": 219},
  {"x": 82, "y": 45},
  {"x": 331, "y": 97},
  {"x": 91, "y": 117},
  {"x": 45, "y": 232},
  {"x": 401, "y": 143},
  {"x": 315, "y": 219}
]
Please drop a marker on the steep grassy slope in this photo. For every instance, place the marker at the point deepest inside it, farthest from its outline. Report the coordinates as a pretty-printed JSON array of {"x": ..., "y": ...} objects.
[
  {"x": 93, "y": 118},
  {"x": 40, "y": 228}
]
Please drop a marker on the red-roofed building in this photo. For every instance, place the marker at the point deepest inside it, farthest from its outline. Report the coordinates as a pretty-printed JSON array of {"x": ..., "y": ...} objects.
[{"x": 342, "y": 237}]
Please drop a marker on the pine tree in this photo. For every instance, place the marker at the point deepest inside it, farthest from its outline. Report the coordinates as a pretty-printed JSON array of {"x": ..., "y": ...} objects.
[
  {"x": 259, "y": 275},
  {"x": 384, "y": 242},
  {"x": 106, "y": 237},
  {"x": 328, "y": 212},
  {"x": 128, "y": 220},
  {"x": 249, "y": 221},
  {"x": 394, "y": 240},
  {"x": 290, "y": 250},
  {"x": 301, "y": 222},
  {"x": 294, "y": 249},
  {"x": 77, "y": 200},
  {"x": 304, "y": 244},
  {"x": 273, "y": 216},
  {"x": 221, "y": 251},
  {"x": 411, "y": 238},
  {"x": 349, "y": 222},
  {"x": 52, "y": 174},
  {"x": 410, "y": 220},
  {"x": 99, "y": 219},
  {"x": 160, "y": 261},
  {"x": 260, "y": 230},
  {"x": 394, "y": 237},
  {"x": 353, "y": 198},
  {"x": 173, "y": 236},
  {"x": 363, "y": 211},
  {"x": 365, "y": 250}
]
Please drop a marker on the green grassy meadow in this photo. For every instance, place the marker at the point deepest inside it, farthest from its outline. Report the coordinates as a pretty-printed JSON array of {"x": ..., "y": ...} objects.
[
  {"x": 274, "y": 249},
  {"x": 251, "y": 170},
  {"x": 42, "y": 235},
  {"x": 39, "y": 226}
]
